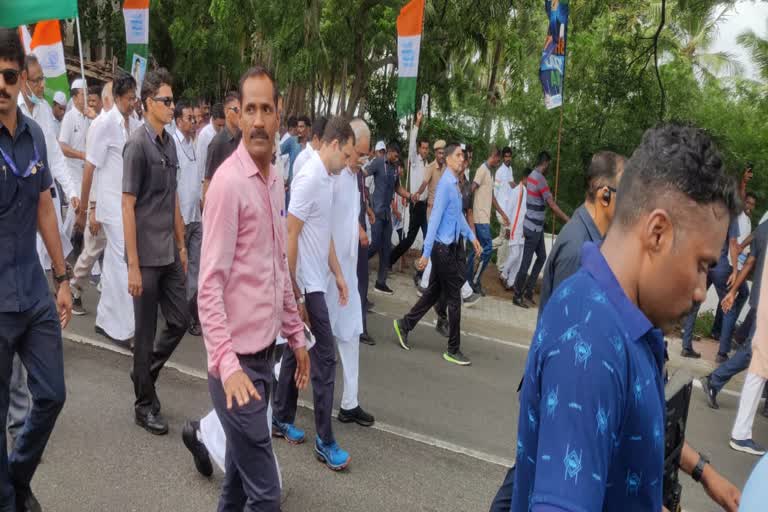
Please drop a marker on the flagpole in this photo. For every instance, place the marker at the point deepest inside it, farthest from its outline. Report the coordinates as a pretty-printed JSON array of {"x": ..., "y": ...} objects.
[
  {"x": 557, "y": 166},
  {"x": 80, "y": 49}
]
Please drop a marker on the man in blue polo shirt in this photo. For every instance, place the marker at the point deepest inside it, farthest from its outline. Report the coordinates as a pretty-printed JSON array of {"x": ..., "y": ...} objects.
[
  {"x": 30, "y": 326},
  {"x": 591, "y": 428}
]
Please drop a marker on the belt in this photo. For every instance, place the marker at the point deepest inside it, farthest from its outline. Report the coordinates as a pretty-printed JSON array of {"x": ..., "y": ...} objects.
[{"x": 263, "y": 355}]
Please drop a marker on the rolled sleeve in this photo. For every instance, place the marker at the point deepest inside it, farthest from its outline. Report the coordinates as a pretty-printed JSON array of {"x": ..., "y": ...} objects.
[
  {"x": 217, "y": 255},
  {"x": 441, "y": 202},
  {"x": 97, "y": 145}
]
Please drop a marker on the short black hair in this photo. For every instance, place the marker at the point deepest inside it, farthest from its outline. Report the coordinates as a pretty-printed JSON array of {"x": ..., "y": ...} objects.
[
  {"x": 95, "y": 89},
  {"x": 202, "y": 100},
  {"x": 422, "y": 140},
  {"x": 152, "y": 82},
  {"x": 255, "y": 72},
  {"x": 602, "y": 171},
  {"x": 304, "y": 119},
  {"x": 468, "y": 148},
  {"x": 678, "y": 159},
  {"x": 339, "y": 129},
  {"x": 217, "y": 111},
  {"x": 506, "y": 151},
  {"x": 122, "y": 85},
  {"x": 292, "y": 122},
  {"x": 527, "y": 171},
  {"x": 10, "y": 46},
  {"x": 179, "y": 110},
  {"x": 492, "y": 151},
  {"x": 752, "y": 195},
  {"x": 318, "y": 127},
  {"x": 74, "y": 92},
  {"x": 393, "y": 146},
  {"x": 232, "y": 96},
  {"x": 543, "y": 157}
]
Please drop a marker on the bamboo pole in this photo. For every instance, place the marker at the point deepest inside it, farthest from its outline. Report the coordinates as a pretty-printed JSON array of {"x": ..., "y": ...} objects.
[{"x": 557, "y": 165}]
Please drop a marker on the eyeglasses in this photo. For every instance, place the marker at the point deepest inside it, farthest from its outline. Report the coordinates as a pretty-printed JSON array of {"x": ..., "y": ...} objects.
[
  {"x": 34, "y": 81},
  {"x": 165, "y": 100},
  {"x": 10, "y": 75},
  {"x": 236, "y": 110},
  {"x": 192, "y": 119}
]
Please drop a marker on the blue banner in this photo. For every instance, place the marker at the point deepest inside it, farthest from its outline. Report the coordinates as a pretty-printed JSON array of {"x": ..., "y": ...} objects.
[{"x": 552, "y": 68}]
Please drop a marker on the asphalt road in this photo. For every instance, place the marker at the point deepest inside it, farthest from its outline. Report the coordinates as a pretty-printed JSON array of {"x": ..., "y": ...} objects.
[{"x": 443, "y": 438}]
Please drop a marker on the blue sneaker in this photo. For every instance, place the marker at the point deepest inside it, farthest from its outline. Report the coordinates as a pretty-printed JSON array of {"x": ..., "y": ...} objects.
[
  {"x": 332, "y": 455},
  {"x": 289, "y": 431},
  {"x": 747, "y": 446}
]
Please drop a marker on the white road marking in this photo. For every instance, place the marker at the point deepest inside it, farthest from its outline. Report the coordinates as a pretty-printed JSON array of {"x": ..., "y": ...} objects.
[{"x": 383, "y": 427}]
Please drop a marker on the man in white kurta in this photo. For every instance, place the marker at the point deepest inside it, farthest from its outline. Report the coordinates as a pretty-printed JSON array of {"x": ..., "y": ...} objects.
[
  {"x": 503, "y": 184},
  {"x": 516, "y": 215},
  {"x": 114, "y": 315}
]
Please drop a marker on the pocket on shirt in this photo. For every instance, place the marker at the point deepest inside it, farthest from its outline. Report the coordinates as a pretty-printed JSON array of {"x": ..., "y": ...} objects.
[{"x": 159, "y": 178}]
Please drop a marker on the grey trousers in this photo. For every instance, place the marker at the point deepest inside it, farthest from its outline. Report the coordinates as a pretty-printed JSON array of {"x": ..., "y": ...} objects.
[
  {"x": 193, "y": 239},
  {"x": 251, "y": 483},
  {"x": 20, "y": 400}
]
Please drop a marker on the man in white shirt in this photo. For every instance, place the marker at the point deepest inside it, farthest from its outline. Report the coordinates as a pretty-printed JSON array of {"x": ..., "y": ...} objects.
[
  {"x": 318, "y": 127},
  {"x": 206, "y": 135},
  {"x": 34, "y": 106},
  {"x": 517, "y": 207},
  {"x": 189, "y": 178},
  {"x": 311, "y": 258},
  {"x": 114, "y": 315},
  {"x": 74, "y": 128},
  {"x": 418, "y": 151},
  {"x": 503, "y": 184}
]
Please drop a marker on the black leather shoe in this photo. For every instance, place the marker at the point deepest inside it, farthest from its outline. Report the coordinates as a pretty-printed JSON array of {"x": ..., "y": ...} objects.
[
  {"x": 709, "y": 393},
  {"x": 690, "y": 353},
  {"x": 357, "y": 415},
  {"x": 530, "y": 301},
  {"x": 366, "y": 339},
  {"x": 519, "y": 302},
  {"x": 152, "y": 422},
  {"x": 196, "y": 448},
  {"x": 195, "y": 329},
  {"x": 28, "y": 502}
]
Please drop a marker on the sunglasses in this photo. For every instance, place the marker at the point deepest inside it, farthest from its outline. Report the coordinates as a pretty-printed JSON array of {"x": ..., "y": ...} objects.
[
  {"x": 165, "y": 100},
  {"x": 10, "y": 76}
]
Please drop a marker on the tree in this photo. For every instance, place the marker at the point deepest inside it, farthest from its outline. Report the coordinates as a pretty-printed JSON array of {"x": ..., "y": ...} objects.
[{"x": 758, "y": 49}]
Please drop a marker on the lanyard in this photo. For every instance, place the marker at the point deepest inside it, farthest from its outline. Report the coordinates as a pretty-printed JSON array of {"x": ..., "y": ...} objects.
[
  {"x": 164, "y": 161},
  {"x": 34, "y": 166}
]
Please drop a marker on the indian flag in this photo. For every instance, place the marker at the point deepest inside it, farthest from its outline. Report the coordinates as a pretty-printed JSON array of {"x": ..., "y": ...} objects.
[
  {"x": 136, "y": 14},
  {"x": 409, "y": 26},
  {"x": 14, "y": 13},
  {"x": 47, "y": 47}
]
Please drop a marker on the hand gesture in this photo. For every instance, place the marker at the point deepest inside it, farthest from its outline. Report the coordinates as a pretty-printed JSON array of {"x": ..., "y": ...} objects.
[
  {"x": 419, "y": 117},
  {"x": 364, "y": 242},
  {"x": 302, "y": 367},
  {"x": 93, "y": 225},
  {"x": 722, "y": 492},
  {"x": 727, "y": 302},
  {"x": 239, "y": 388},
  {"x": 134, "y": 281},
  {"x": 505, "y": 219},
  {"x": 478, "y": 248},
  {"x": 731, "y": 279},
  {"x": 184, "y": 259},
  {"x": 303, "y": 314}
]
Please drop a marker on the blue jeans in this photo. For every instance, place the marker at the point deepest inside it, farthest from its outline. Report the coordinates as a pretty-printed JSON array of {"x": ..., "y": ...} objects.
[
  {"x": 736, "y": 364},
  {"x": 483, "y": 232}
]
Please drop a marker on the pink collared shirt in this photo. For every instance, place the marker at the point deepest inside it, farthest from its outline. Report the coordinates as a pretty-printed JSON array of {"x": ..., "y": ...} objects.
[{"x": 245, "y": 296}]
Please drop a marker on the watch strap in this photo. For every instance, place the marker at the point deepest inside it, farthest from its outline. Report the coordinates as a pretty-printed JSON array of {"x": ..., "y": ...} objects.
[{"x": 698, "y": 471}]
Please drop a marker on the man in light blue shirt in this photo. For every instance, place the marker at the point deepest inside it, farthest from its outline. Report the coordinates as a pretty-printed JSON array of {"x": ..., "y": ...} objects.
[{"x": 447, "y": 227}]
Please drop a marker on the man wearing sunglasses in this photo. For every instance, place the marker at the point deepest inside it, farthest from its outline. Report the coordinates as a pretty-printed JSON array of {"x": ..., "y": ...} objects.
[
  {"x": 30, "y": 326},
  {"x": 225, "y": 142},
  {"x": 154, "y": 246}
]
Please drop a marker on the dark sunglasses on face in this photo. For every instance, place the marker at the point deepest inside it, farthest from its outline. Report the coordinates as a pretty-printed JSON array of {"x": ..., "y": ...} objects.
[
  {"x": 10, "y": 76},
  {"x": 165, "y": 100}
]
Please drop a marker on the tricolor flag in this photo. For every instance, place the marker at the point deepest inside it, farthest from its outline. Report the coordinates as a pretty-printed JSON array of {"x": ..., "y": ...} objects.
[
  {"x": 409, "y": 27},
  {"x": 47, "y": 47},
  {"x": 136, "y": 14},
  {"x": 14, "y": 13},
  {"x": 26, "y": 38}
]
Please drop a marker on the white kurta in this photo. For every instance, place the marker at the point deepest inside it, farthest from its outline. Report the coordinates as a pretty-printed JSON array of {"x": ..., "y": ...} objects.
[{"x": 346, "y": 321}]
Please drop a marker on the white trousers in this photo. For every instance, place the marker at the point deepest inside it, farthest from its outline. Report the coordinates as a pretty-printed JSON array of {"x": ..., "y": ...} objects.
[
  {"x": 115, "y": 311},
  {"x": 215, "y": 440},
  {"x": 512, "y": 263},
  {"x": 349, "y": 353},
  {"x": 466, "y": 289},
  {"x": 66, "y": 245},
  {"x": 750, "y": 399}
]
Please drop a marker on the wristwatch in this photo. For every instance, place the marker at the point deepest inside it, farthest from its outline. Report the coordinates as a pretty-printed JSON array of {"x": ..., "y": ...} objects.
[
  {"x": 699, "y": 469},
  {"x": 66, "y": 276}
]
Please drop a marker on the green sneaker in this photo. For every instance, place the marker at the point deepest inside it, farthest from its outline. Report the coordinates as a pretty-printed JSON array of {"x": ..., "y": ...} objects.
[
  {"x": 457, "y": 358},
  {"x": 402, "y": 335}
]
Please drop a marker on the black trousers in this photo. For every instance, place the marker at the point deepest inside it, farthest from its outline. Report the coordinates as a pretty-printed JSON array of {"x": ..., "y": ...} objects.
[
  {"x": 322, "y": 360},
  {"x": 250, "y": 481},
  {"x": 418, "y": 221},
  {"x": 448, "y": 268},
  {"x": 164, "y": 286},
  {"x": 35, "y": 335},
  {"x": 534, "y": 245},
  {"x": 362, "y": 283}
]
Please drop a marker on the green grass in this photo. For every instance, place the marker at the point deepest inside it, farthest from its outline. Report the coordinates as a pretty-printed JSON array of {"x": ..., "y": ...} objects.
[{"x": 704, "y": 324}]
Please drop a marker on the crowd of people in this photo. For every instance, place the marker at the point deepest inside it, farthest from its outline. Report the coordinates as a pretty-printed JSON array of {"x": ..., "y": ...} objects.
[{"x": 260, "y": 243}]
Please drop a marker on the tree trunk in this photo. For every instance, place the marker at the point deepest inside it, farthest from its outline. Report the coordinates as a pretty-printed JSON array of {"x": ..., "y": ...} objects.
[
  {"x": 343, "y": 89},
  {"x": 330, "y": 95},
  {"x": 490, "y": 95}
]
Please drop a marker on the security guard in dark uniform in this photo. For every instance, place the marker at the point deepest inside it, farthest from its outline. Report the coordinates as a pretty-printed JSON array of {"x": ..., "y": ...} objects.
[{"x": 29, "y": 323}]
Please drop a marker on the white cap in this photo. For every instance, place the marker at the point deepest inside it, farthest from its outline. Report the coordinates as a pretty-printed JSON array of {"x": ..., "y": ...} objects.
[
  {"x": 60, "y": 98},
  {"x": 78, "y": 84},
  {"x": 380, "y": 146}
]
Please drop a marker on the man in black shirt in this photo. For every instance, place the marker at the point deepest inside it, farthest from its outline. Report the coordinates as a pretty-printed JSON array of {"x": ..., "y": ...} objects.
[
  {"x": 154, "y": 246},
  {"x": 225, "y": 142}
]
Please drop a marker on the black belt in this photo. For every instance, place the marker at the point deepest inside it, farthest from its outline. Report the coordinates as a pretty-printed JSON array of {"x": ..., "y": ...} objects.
[{"x": 267, "y": 354}]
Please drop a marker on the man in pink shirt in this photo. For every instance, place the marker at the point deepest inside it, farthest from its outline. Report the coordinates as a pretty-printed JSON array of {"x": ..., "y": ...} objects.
[{"x": 245, "y": 299}]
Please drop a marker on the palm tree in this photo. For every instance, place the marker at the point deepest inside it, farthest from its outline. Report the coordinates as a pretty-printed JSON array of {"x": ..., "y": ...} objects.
[{"x": 758, "y": 49}]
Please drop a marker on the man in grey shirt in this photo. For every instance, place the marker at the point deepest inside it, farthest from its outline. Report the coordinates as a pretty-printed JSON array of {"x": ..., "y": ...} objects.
[
  {"x": 154, "y": 246},
  {"x": 589, "y": 223}
]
